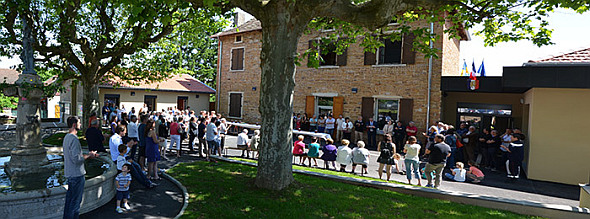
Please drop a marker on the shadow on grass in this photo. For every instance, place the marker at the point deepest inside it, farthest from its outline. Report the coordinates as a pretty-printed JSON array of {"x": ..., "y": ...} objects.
[{"x": 227, "y": 190}]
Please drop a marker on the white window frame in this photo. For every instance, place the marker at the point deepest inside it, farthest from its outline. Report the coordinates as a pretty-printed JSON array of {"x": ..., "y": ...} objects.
[
  {"x": 241, "y": 104},
  {"x": 401, "y": 52},
  {"x": 231, "y": 59},
  {"x": 316, "y": 109},
  {"x": 376, "y": 105},
  {"x": 241, "y": 38}
]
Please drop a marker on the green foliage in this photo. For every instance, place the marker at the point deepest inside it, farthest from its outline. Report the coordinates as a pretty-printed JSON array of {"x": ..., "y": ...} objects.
[
  {"x": 8, "y": 102},
  {"x": 189, "y": 49},
  {"x": 231, "y": 193}
]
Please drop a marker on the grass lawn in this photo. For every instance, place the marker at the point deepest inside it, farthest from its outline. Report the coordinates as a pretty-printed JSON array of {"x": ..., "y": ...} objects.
[
  {"x": 324, "y": 171},
  {"x": 227, "y": 190}
]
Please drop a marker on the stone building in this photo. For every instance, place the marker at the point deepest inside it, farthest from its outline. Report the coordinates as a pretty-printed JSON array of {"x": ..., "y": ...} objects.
[{"x": 391, "y": 82}]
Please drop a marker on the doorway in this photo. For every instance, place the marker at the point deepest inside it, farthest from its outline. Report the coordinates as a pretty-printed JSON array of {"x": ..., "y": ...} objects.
[
  {"x": 182, "y": 102},
  {"x": 150, "y": 100},
  {"x": 494, "y": 116}
]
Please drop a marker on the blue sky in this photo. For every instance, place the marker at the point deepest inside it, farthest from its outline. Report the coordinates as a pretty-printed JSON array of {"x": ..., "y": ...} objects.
[{"x": 570, "y": 33}]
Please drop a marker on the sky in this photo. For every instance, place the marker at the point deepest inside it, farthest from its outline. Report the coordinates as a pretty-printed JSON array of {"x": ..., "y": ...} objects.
[{"x": 570, "y": 33}]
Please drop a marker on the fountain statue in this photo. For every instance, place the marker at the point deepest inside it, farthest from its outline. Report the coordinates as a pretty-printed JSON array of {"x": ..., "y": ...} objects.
[{"x": 36, "y": 187}]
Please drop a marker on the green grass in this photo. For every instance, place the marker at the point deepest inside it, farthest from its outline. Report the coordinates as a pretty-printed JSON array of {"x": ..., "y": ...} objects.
[
  {"x": 58, "y": 138},
  {"x": 324, "y": 171},
  {"x": 227, "y": 190}
]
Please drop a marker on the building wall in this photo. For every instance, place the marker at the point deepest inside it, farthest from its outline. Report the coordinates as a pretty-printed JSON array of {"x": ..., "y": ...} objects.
[
  {"x": 451, "y": 99},
  {"x": 559, "y": 148},
  {"x": 164, "y": 99},
  {"x": 402, "y": 81}
]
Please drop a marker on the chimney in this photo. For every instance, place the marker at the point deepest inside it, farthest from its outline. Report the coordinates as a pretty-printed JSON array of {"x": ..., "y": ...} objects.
[{"x": 239, "y": 19}]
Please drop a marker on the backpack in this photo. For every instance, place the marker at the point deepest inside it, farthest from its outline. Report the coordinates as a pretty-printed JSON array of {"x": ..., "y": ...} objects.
[{"x": 386, "y": 150}]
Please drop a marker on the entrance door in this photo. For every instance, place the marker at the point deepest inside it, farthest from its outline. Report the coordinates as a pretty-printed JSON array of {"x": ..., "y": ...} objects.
[
  {"x": 111, "y": 99},
  {"x": 182, "y": 103},
  {"x": 151, "y": 102},
  {"x": 235, "y": 105}
]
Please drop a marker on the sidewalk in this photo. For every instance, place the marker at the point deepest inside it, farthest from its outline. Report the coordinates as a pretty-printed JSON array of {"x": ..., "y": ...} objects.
[{"x": 494, "y": 184}]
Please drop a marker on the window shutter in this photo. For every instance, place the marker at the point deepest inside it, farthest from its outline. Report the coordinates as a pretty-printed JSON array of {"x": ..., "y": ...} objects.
[
  {"x": 235, "y": 105},
  {"x": 408, "y": 54},
  {"x": 370, "y": 58},
  {"x": 367, "y": 108},
  {"x": 406, "y": 110},
  {"x": 341, "y": 59},
  {"x": 234, "y": 59},
  {"x": 310, "y": 105},
  {"x": 338, "y": 107},
  {"x": 241, "y": 59}
]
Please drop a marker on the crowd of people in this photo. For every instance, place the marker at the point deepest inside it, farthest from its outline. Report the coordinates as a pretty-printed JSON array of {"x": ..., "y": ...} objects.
[
  {"x": 444, "y": 146},
  {"x": 139, "y": 139}
]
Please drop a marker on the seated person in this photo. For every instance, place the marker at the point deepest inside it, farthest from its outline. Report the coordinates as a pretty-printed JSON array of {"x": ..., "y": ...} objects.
[
  {"x": 314, "y": 151},
  {"x": 329, "y": 153},
  {"x": 474, "y": 174},
  {"x": 360, "y": 156},
  {"x": 344, "y": 156},
  {"x": 457, "y": 174},
  {"x": 299, "y": 150}
]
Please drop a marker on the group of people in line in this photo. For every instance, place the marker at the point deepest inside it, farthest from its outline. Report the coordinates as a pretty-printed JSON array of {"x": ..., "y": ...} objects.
[{"x": 445, "y": 146}]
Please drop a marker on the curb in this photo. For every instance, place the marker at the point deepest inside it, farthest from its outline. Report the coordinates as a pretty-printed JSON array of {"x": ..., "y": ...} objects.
[
  {"x": 184, "y": 192},
  {"x": 517, "y": 206}
]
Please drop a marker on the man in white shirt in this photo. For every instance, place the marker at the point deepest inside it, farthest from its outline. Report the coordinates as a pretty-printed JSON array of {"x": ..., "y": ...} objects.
[
  {"x": 117, "y": 140},
  {"x": 210, "y": 135},
  {"x": 339, "y": 128},
  {"x": 330, "y": 125},
  {"x": 120, "y": 111},
  {"x": 132, "y": 133},
  {"x": 243, "y": 143}
]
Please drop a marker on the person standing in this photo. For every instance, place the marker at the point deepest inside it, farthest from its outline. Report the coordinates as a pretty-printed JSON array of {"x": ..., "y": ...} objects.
[
  {"x": 94, "y": 137},
  {"x": 359, "y": 128},
  {"x": 201, "y": 135},
  {"x": 175, "y": 137},
  {"x": 330, "y": 122},
  {"x": 399, "y": 135},
  {"x": 472, "y": 138},
  {"x": 223, "y": 127},
  {"x": 386, "y": 150},
  {"x": 371, "y": 132},
  {"x": 347, "y": 129},
  {"x": 163, "y": 133},
  {"x": 192, "y": 133},
  {"x": 132, "y": 132},
  {"x": 437, "y": 158},
  {"x": 412, "y": 161},
  {"x": 340, "y": 128},
  {"x": 74, "y": 168},
  {"x": 411, "y": 129},
  {"x": 141, "y": 140},
  {"x": 210, "y": 135}
]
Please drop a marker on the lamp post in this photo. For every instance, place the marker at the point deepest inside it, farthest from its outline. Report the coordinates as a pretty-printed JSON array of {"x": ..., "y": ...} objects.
[{"x": 28, "y": 155}]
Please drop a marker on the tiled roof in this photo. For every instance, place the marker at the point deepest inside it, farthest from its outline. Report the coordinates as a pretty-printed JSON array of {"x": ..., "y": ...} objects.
[
  {"x": 8, "y": 75},
  {"x": 179, "y": 83},
  {"x": 579, "y": 56},
  {"x": 250, "y": 25}
]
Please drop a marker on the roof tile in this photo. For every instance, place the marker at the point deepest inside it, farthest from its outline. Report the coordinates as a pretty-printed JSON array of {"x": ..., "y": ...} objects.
[{"x": 579, "y": 56}]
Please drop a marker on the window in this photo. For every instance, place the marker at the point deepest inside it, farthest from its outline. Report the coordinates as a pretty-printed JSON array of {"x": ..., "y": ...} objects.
[
  {"x": 387, "y": 110},
  {"x": 328, "y": 54},
  {"x": 238, "y": 39},
  {"x": 237, "y": 59},
  {"x": 181, "y": 102},
  {"x": 393, "y": 52},
  {"x": 325, "y": 105},
  {"x": 235, "y": 105},
  {"x": 151, "y": 102}
]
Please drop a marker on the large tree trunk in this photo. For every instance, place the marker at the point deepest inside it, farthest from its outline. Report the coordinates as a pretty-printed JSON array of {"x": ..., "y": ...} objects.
[
  {"x": 279, "y": 50},
  {"x": 89, "y": 103}
]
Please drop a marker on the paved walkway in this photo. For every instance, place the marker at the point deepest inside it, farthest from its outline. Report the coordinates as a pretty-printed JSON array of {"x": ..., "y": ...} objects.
[
  {"x": 495, "y": 184},
  {"x": 165, "y": 201}
]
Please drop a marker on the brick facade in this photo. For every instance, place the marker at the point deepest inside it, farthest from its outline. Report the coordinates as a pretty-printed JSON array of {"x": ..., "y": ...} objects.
[{"x": 402, "y": 81}]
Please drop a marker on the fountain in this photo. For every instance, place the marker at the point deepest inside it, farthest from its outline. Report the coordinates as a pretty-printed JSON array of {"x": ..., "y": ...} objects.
[{"x": 37, "y": 188}]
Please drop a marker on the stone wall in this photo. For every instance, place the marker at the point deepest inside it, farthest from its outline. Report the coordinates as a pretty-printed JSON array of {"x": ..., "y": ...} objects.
[{"x": 395, "y": 81}]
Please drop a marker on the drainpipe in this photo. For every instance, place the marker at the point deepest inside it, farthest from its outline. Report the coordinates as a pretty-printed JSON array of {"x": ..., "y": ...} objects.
[
  {"x": 218, "y": 74},
  {"x": 429, "y": 79}
]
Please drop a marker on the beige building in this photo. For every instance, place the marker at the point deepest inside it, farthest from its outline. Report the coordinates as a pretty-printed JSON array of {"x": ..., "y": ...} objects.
[
  {"x": 391, "y": 82},
  {"x": 548, "y": 99},
  {"x": 180, "y": 91}
]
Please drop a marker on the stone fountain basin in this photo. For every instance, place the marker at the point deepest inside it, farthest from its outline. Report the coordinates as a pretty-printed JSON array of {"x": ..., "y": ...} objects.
[{"x": 49, "y": 203}]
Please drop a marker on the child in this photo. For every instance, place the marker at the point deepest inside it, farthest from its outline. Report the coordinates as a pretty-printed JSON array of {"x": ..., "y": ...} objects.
[
  {"x": 360, "y": 156},
  {"x": 399, "y": 164},
  {"x": 314, "y": 151},
  {"x": 123, "y": 180},
  {"x": 457, "y": 174},
  {"x": 423, "y": 171},
  {"x": 121, "y": 158},
  {"x": 474, "y": 174}
]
